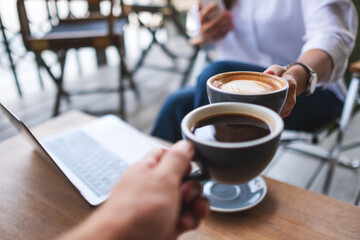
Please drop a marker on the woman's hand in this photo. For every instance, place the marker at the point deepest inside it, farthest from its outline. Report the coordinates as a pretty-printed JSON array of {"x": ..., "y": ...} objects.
[
  {"x": 283, "y": 72},
  {"x": 150, "y": 201},
  {"x": 215, "y": 24},
  {"x": 297, "y": 77}
]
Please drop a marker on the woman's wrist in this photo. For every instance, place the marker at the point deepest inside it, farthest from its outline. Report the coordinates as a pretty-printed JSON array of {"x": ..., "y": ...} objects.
[{"x": 300, "y": 76}]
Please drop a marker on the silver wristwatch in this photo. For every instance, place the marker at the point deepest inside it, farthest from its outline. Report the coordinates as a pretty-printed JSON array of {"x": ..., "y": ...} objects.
[{"x": 312, "y": 78}]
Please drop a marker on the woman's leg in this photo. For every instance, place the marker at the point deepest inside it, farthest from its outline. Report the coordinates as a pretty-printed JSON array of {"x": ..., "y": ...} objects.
[
  {"x": 313, "y": 112},
  {"x": 176, "y": 106}
]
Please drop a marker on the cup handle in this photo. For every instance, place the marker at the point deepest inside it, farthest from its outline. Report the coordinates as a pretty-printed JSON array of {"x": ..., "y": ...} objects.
[{"x": 199, "y": 175}]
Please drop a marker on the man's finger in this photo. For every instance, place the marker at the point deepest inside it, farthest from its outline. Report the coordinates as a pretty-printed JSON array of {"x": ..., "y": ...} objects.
[
  {"x": 190, "y": 190},
  {"x": 177, "y": 159},
  {"x": 188, "y": 221},
  {"x": 153, "y": 158},
  {"x": 201, "y": 207}
]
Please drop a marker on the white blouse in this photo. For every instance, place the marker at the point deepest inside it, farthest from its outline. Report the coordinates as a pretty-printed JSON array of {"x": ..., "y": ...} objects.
[{"x": 270, "y": 32}]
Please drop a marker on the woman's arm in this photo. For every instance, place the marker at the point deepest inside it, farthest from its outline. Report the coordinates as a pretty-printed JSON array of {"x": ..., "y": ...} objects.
[
  {"x": 297, "y": 77},
  {"x": 330, "y": 32}
]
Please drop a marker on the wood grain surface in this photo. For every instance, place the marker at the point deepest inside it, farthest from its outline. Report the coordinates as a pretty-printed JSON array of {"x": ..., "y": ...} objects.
[{"x": 37, "y": 202}]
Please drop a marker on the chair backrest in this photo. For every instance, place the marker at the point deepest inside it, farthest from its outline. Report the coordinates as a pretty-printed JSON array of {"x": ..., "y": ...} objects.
[
  {"x": 163, "y": 6},
  {"x": 92, "y": 8},
  {"x": 55, "y": 16}
]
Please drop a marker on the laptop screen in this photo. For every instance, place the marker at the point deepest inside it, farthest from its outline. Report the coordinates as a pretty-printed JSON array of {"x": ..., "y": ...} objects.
[{"x": 23, "y": 130}]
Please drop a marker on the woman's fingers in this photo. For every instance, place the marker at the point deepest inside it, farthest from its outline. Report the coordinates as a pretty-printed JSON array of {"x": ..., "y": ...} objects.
[
  {"x": 276, "y": 70},
  {"x": 290, "y": 101},
  {"x": 291, "y": 97},
  {"x": 221, "y": 27},
  {"x": 208, "y": 13},
  {"x": 215, "y": 25}
]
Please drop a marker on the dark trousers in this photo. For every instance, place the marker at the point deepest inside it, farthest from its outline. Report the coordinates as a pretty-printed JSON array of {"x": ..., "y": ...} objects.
[{"x": 310, "y": 112}]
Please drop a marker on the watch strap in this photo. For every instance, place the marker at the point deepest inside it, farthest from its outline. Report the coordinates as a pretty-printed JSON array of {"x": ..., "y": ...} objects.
[{"x": 309, "y": 72}]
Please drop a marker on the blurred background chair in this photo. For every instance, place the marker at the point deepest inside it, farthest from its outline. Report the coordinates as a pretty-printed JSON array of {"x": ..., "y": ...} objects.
[
  {"x": 162, "y": 12},
  {"x": 310, "y": 142},
  {"x": 6, "y": 43},
  {"x": 12, "y": 53},
  {"x": 94, "y": 29}
]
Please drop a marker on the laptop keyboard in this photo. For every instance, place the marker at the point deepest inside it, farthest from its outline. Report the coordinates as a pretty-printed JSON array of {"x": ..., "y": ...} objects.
[{"x": 96, "y": 166}]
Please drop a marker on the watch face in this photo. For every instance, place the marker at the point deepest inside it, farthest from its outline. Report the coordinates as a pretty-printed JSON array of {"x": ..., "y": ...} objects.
[
  {"x": 312, "y": 77},
  {"x": 313, "y": 82}
]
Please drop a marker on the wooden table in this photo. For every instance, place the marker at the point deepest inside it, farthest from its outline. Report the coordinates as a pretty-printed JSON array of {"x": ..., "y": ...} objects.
[{"x": 38, "y": 203}]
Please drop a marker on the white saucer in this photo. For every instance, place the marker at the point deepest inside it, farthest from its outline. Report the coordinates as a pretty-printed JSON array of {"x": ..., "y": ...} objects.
[{"x": 234, "y": 198}]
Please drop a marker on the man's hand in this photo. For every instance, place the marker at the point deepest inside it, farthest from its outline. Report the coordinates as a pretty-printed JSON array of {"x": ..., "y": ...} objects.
[
  {"x": 214, "y": 26},
  {"x": 150, "y": 201}
]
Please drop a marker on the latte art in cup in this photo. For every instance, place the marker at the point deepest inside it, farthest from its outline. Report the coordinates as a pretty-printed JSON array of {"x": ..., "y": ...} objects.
[
  {"x": 247, "y": 87},
  {"x": 244, "y": 86}
]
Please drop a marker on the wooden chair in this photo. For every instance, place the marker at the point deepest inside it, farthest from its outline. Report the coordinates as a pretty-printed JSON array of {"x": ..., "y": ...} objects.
[
  {"x": 168, "y": 12},
  {"x": 70, "y": 32}
]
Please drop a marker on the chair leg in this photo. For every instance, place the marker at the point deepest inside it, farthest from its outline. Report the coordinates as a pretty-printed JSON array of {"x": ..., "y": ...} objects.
[
  {"x": 333, "y": 158},
  {"x": 145, "y": 52},
  {"x": 190, "y": 67},
  {"x": 172, "y": 56},
  {"x": 38, "y": 64},
  {"x": 12, "y": 65},
  {"x": 122, "y": 74},
  {"x": 319, "y": 152},
  {"x": 351, "y": 146},
  {"x": 357, "y": 200},
  {"x": 8, "y": 51},
  {"x": 348, "y": 108},
  {"x": 62, "y": 58},
  {"x": 142, "y": 57},
  {"x": 179, "y": 26},
  {"x": 122, "y": 110},
  {"x": 57, "y": 80},
  {"x": 333, "y": 155},
  {"x": 77, "y": 55},
  {"x": 124, "y": 70}
]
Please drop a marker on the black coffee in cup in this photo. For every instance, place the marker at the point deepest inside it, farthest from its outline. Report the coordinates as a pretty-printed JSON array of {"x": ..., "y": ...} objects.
[
  {"x": 230, "y": 128},
  {"x": 232, "y": 158}
]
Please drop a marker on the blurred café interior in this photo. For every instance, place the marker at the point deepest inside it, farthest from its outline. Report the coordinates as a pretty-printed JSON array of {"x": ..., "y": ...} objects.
[{"x": 124, "y": 57}]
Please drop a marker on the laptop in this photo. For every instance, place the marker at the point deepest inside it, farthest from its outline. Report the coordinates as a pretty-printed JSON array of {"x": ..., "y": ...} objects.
[{"x": 94, "y": 156}]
